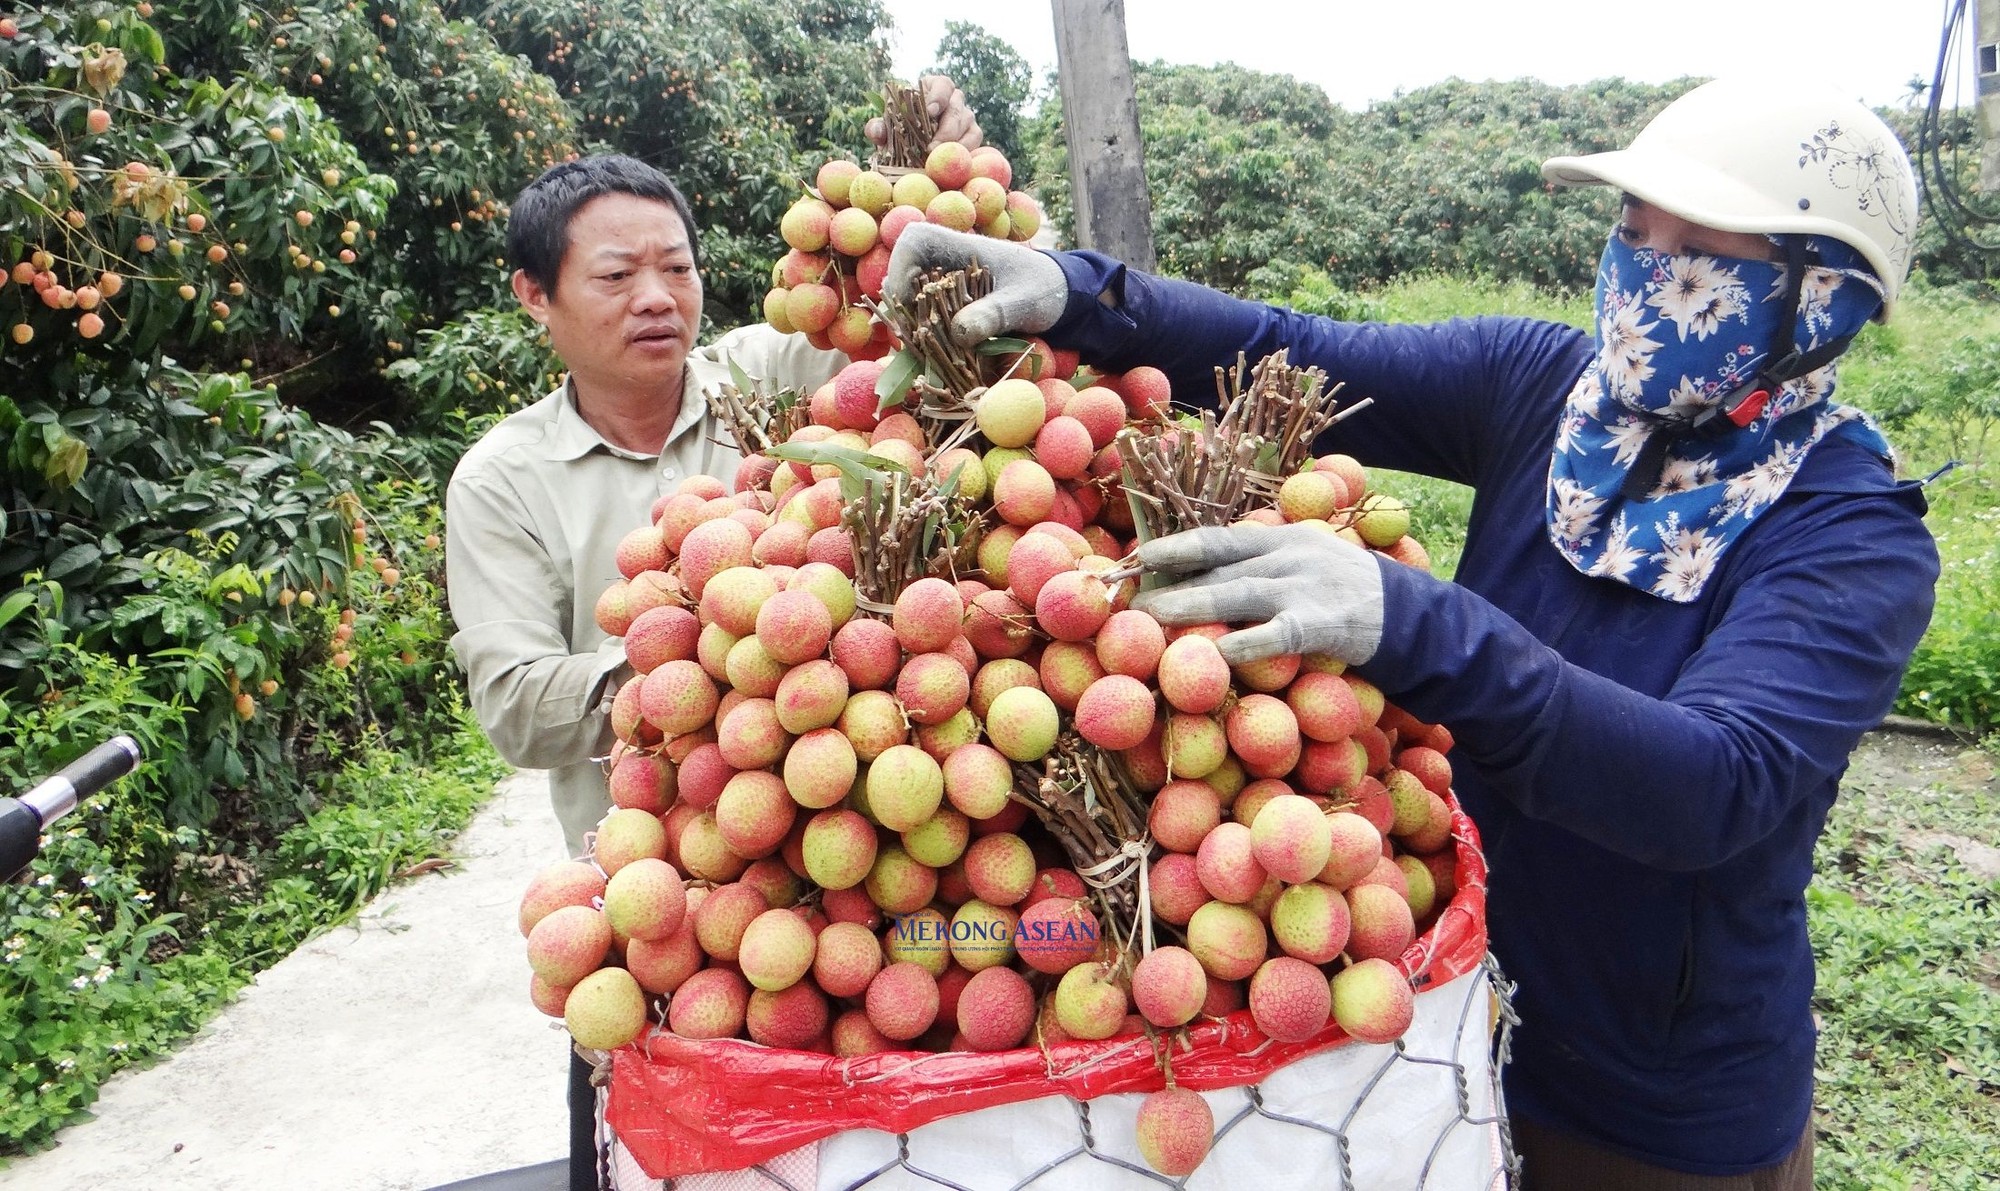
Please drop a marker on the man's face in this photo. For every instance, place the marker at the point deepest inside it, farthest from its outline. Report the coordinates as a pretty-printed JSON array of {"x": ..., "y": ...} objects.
[{"x": 627, "y": 301}]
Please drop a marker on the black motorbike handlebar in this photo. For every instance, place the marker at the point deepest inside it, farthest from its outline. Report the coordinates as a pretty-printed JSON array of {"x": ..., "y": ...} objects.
[{"x": 23, "y": 819}]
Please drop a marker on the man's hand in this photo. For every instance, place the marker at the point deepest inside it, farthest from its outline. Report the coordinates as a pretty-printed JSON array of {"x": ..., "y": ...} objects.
[
  {"x": 946, "y": 104},
  {"x": 1029, "y": 289},
  {"x": 1305, "y": 590}
]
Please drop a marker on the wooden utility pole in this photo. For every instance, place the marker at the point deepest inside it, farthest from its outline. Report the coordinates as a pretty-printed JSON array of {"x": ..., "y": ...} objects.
[
  {"x": 1107, "y": 164},
  {"x": 1986, "y": 69}
]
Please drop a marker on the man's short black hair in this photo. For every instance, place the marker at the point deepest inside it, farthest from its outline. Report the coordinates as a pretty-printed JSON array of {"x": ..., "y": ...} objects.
[{"x": 538, "y": 221}]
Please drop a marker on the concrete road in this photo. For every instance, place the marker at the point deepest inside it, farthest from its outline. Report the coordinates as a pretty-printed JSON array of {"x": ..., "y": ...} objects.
[{"x": 399, "y": 1051}]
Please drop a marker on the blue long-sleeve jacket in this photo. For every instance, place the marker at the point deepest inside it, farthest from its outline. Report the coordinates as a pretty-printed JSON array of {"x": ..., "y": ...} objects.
[{"x": 1649, "y": 777}]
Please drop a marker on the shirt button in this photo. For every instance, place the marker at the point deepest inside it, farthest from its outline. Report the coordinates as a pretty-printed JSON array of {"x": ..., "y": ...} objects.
[{"x": 667, "y": 472}]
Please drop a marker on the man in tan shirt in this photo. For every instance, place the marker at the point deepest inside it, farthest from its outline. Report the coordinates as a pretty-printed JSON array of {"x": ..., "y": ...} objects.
[{"x": 606, "y": 259}]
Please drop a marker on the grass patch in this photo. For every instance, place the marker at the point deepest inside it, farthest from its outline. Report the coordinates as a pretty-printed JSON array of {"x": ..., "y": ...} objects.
[{"x": 1907, "y": 938}]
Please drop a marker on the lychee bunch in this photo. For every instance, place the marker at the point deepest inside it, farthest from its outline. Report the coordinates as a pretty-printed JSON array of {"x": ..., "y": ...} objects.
[
  {"x": 840, "y": 233},
  {"x": 825, "y": 833}
]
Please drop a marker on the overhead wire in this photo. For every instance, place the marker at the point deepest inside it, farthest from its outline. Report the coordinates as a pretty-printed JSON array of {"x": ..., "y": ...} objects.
[{"x": 1961, "y": 217}]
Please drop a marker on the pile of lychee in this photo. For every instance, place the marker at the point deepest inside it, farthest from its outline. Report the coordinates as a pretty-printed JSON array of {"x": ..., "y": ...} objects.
[
  {"x": 822, "y": 836},
  {"x": 839, "y": 237}
]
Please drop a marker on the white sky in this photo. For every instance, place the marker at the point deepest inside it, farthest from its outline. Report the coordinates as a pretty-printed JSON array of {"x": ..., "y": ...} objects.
[{"x": 1365, "y": 50}]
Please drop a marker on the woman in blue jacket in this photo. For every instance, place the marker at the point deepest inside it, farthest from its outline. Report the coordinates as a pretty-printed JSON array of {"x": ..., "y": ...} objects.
[{"x": 1690, "y": 582}]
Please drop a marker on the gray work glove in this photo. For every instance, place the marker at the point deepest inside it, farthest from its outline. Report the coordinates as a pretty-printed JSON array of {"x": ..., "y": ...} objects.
[
  {"x": 1029, "y": 289},
  {"x": 1305, "y": 590}
]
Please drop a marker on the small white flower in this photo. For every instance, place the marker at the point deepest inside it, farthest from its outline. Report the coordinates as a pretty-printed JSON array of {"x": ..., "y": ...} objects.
[
  {"x": 90, "y": 880},
  {"x": 1684, "y": 475},
  {"x": 1687, "y": 399},
  {"x": 1567, "y": 427},
  {"x": 1816, "y": 298},
  {"x": 1747, "y": 493},
  {"x": 1627, "y": 355},
  {"x": 1576, "y": 513},
  {"x": 1698, "y": 295},
  {"x": 1626, "y": 437},
  {"x": 1620, "y": 556},
  {"x": 80, "y": 983},
  {"x": 102, "y": 974},
  {"x": 1687, "y": 558}
]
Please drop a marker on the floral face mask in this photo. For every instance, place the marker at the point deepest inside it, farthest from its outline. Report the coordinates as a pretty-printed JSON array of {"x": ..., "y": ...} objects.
[{"x": 1645, "y": 490}]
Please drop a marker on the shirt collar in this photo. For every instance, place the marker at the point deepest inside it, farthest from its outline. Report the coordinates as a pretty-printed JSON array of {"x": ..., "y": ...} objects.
[{"x": 572, "y": 438}]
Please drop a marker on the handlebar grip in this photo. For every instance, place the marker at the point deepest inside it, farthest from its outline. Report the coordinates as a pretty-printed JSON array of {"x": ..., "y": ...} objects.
[
  {"x": 56, "y": 796},
  {"x": 101, "y": 766}
]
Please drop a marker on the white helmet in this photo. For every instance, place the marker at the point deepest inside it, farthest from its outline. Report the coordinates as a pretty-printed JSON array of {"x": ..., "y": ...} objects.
[{"x": 1759, "y": 156}]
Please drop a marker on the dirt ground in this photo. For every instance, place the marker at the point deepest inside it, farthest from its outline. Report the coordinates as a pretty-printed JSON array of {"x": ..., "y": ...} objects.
[{"x": 1909, "y": 757}]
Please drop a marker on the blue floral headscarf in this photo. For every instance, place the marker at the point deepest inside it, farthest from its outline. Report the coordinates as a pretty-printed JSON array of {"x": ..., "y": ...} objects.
[{"x": 1675, "y": 336}]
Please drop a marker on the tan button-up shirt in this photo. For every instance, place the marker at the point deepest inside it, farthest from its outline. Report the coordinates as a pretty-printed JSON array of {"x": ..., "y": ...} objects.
[{"x": 533, "y": 516}]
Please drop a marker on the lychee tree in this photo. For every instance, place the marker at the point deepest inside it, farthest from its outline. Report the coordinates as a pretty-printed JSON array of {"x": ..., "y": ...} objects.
[{"x": 728, "y": 99}]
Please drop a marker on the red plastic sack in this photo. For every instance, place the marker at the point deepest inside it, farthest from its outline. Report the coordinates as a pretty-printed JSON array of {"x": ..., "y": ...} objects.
[{"x": 684, "y": 1107}]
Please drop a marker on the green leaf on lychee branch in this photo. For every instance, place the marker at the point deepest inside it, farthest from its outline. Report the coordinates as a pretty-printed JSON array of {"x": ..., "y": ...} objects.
[
  {"x": 897, "y": 376},
  {"x": 740, "y": 377},
  {"x": 1006, "y": 346},
  {"x": 856, "y": 467}
]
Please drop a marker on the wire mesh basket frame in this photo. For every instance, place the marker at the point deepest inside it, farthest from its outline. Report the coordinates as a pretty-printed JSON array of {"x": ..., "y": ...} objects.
[{"x": 1492, "y": 1013}]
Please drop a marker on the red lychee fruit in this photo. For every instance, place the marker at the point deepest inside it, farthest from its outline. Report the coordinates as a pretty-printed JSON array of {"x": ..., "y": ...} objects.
[
  {"x": 928, "y": 615},
  {"x": 1115, "y": 712},
  {"x": 1289, "y": 999},
  {"x": 1229, "y": 940},
  {"x": 1175, "y": 889},
  {"x": 1382, "y": 926},
  {"x": 1372, "y": 1001},
  {"x": 1193, "y": 675},
  {"x": 1291, "y": 838},
  {"x": 902, "y": 1001},
  {"x": 709, "y": 1004},
  {"x": 1183, "y": 813},
  {"x": 1227, "y": 864},
  {"x": 567, "y": 883},
  {"x": 1264, "y": 734},
  {"x": 1131, "y": 643},
  {"x": 1056, "y": 934},
  {"x": 996, "y": 1009},
  {"x": 1168, "y": 987}
]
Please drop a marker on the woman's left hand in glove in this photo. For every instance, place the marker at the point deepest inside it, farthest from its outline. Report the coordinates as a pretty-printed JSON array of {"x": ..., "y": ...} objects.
[{"x": 1299, "y": 588}]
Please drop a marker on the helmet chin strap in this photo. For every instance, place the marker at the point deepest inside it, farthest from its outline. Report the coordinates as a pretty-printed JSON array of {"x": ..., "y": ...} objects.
[{"x": 1741, "y": 406}]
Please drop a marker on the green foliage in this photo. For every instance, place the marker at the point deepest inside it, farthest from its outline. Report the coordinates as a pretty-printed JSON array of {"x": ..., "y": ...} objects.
[
  {"x": 490, "y": 361},
  {"x": 431, "y": 102},
  {"x": 1247, "y": 168},
  {"x": 187, "y": 201},
  {"x": 1954, "y": 676},
  {"x": 1908, "y": 992},
  {"x": 730, "y": 99},
  {"x": 1932, "y": 378},
  {"x": 220, "y": 224},
  {"x": 996, "y": 81}
]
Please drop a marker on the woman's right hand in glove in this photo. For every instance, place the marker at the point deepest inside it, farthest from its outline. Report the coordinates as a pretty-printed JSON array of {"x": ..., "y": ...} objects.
[{"x": 1029, "y": 288}]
